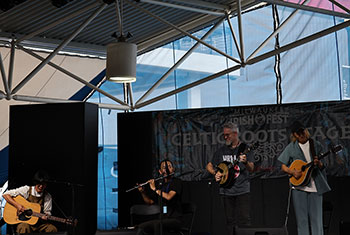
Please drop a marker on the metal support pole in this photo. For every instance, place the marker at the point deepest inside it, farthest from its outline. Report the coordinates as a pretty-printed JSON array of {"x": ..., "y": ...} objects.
[
  {"x": 131, "y": 98},
  {"x": 182, "y": 31},
  {"x": 299, "y": 42},
  {"x": 262, "y": 45},
  {"x": 240, "y": 30},
  {"x": 73, "y": 76},
  {"x": 41, "y": 99},
  {"x": 119, "y": 17},
  {"x": 307, "y": 8},
  {"x": 12, "y": 63},
  {"x": 196, "y": 83},
  {"x": 62, "y": 45},
  {"x": 178, "y": 63},
  {"x": 340, "y": 6},
  {"x": 4, "y": 78},
  {"x": 112, "y": 106},
  {"x": 233, "y": 35},
  {"x": 2, "y": 95},
  {"x": 57, "y": 22}
]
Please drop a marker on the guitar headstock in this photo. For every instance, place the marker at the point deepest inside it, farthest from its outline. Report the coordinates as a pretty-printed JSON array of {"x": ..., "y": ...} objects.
[
  {"x": 72, "y": 222},
  {"x": 336, "y": 148},
  {"x": 253, "y": 146}
]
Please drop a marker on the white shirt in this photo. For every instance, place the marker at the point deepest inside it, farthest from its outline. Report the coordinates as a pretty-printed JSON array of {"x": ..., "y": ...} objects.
[
  {"x": 311, "y": 187},
  {"x": 23, "y": 191}
]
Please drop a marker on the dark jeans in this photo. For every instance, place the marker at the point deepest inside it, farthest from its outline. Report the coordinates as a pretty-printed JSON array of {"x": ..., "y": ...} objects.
[
  {"x": 153, "y": 226},
  {"x": 237, "y": 210}
]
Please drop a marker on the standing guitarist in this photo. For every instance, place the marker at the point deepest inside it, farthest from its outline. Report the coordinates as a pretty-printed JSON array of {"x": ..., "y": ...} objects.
[
  {"x": 235, "y": 198},
  {"x": 34, "y": 194},
  {"x": 307, "y": 198}
]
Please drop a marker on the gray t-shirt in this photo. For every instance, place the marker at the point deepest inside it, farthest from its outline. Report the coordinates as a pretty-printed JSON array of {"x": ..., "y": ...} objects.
[{"x": 241, "y": 184}]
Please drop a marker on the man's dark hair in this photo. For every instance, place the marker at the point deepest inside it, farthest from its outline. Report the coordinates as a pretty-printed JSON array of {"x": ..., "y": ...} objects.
[
  {"x": 166, "y": 160},
  {"x": 41, "y": 177}
]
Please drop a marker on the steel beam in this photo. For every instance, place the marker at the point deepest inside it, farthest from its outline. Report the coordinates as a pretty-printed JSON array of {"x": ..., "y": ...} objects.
[
  {"x": 72, "y": 75},
  {"x": 2, "y": 95},
  {"x": 262, "y": 45},
  {"x": 187, "y": 8},
  {"x": 240, "y": 29},
  {"x": 41, "y": 99},
  {"x": 182, "y": 31},
  {"x": 307, "y": 8},
  {"x": 4, "y": 78},
  {"x": 206, "y": 4},
  {"x": 112, "y": 106},
  {"x": 62, "y": 45},
  {"x": 179, "y": 62},
  {"x": 12, "y": 63},
  {"x": 233, "y": 36},
  {"x": 340, "y": 6},
  {"x": 191, "y": 85},
  {"x": 299, "y": 42}
]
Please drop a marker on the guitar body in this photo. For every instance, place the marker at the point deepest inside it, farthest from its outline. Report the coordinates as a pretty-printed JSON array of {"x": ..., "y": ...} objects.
[
  {"x": 31, "y": 215},
  {"x": 306, "y": 168},
  {"x": 305, "y": 173},
  {"x": 10, "y": 212},
  {"x": 230, "y": 172}
]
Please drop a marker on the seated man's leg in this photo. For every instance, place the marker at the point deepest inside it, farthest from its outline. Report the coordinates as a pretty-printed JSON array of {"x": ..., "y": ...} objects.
[
  {"x": 47, "y": 228},
  {"x": 23, "y": 228}
]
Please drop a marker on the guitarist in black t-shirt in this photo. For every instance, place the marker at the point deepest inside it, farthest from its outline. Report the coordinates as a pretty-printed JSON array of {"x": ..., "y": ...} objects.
[
  {"x": 235, "y": 197},
  {"x": 170, "y": 190}
]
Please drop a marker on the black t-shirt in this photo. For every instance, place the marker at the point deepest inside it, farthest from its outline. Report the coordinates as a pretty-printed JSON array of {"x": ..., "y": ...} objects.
[
  {"x": 174, "y": 205},
  {"x": 241, "y": 184}
]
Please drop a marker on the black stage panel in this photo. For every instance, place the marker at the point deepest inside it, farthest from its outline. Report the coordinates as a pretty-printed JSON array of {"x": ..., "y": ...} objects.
[
  {"x": 63, "y": 140},
  {"x": 134, "y": 159}
]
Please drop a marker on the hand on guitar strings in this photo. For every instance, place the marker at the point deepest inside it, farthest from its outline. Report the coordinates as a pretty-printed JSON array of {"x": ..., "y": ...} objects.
[
  {"x": 243, "y": 158},
  {"x": 218, "y": 176},
  {"x": 318, "y": 163},
  {"x": 296, "y": 173}
]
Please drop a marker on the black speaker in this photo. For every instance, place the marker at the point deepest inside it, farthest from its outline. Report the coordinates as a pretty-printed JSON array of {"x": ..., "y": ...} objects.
[
  {"x": 61, "y": 139},
  {"x": 261, "y": 231}
]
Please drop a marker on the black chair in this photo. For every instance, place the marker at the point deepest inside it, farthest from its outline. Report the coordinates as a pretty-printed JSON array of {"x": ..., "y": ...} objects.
[
  {"x": 189, "y": 212},
  {"x": 143, "y": 213}
]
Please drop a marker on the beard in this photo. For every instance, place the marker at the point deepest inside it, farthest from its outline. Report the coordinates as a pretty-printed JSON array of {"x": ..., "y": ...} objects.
[{"x": 228, "y": 143}]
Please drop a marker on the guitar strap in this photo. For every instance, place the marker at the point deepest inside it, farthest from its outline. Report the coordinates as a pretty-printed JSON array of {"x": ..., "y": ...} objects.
[
  {"x": 241, "y": 148},
  {"x": 312, "y": 148}
]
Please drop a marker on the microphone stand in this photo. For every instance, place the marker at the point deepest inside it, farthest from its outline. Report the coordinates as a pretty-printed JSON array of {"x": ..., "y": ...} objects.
[
  {"x": 161, "y": 206},
  {"x": 72, "y": 185}
]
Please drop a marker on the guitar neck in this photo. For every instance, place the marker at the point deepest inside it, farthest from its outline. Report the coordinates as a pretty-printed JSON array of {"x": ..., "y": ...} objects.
[
  {"x": 50, "y": 217},
  {"x": 322, "y": 155}
]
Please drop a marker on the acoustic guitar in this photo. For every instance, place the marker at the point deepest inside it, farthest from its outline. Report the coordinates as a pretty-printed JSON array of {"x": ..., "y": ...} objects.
[
  {"x": 307, "y": 168},
  {"x": 31, "y": 215},
  {"x": 231, "y": 171}
]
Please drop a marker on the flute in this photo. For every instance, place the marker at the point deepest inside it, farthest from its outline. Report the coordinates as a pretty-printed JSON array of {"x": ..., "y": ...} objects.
[{"x": 143, "y": 184}]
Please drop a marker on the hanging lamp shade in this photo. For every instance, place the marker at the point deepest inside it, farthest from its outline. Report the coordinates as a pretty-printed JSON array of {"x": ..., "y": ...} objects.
[{"x": 121, "y": 62}]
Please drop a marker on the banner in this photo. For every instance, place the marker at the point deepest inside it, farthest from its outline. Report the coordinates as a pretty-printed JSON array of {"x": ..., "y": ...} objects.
[{"x": 189, "y": 138}]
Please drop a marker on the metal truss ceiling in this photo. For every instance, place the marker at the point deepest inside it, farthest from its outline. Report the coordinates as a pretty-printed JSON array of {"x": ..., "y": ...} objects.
[{"x": 87, "y": 26}]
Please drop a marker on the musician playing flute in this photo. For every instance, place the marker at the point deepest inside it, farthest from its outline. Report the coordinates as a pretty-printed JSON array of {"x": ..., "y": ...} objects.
[
  {"x": 34, "y": 194},
  {"x": 236, "y": 197},
  {"x": 307, "y": 198},
  {"x": 170, "y": 189}
]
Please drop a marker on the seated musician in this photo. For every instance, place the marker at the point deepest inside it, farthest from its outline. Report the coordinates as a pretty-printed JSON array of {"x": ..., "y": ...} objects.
[
  {"x": 170, "y": 190},
  {"x": 34, "y": 194}
]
